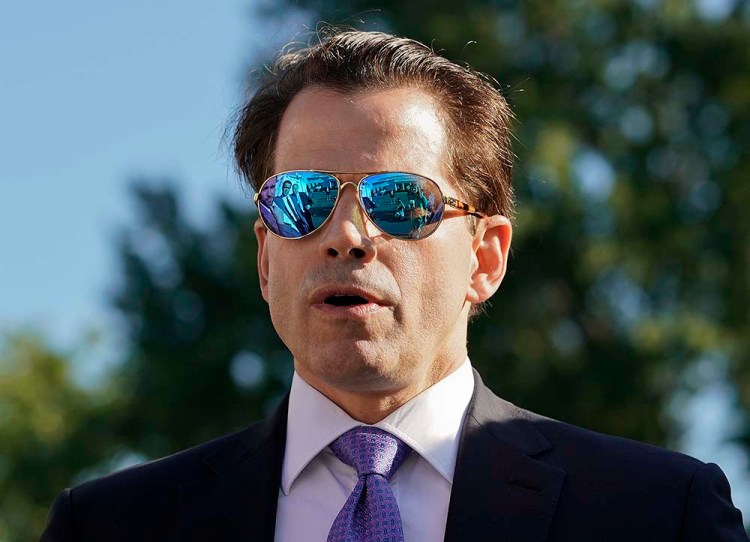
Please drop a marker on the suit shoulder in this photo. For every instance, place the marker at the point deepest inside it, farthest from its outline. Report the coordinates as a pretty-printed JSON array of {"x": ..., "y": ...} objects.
[
  {"x": 564, "y": 443},
  {"x": 155, "y": 479},
  {"x": 605, "y": 486},
  {"x": 671, "y": 491},
  {"x": 142, "y": 502},
  {"x": 592, "y": 450}
]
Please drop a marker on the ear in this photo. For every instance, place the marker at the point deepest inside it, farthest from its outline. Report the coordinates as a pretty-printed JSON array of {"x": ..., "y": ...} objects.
[
  {"x": 261, "y": 234},
  {"x": 491, "y": 246}
]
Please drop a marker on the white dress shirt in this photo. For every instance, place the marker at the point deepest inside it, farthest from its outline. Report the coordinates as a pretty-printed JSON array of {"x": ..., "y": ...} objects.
[{"x": 315, "y": 484}]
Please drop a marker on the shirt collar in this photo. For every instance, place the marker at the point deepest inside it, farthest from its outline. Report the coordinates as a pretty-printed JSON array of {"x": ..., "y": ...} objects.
[{"x": 429, "y": 423}]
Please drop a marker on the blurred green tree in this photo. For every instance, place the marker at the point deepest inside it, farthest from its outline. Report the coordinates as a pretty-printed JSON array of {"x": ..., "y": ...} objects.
[
  {"x": 204, "y": 359},
  {"x": 630, "y": 258},
  {"x": 52, "y": 433},
  {"x": 630, "y": 262}
]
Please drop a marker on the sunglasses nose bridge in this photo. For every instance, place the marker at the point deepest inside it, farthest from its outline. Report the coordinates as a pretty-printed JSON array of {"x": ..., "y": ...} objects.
[
  {"x": 349, "y": 208},
  {"x": 349, "y": 204},
  {"x": 343, "y": 185},
  {"x": 355, "y": 187}
]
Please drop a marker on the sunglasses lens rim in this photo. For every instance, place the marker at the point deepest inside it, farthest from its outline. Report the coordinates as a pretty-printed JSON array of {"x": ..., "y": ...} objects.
[
  {"x": 312, "y": 189},
  {"x": 403, "y": 205},
  {"x": 421, "y": 201}
]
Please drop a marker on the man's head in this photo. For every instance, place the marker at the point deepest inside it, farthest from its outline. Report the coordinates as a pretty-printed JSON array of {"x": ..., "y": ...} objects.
[
  {"x": 286, "y": 188},
  {"x": 475, "y": 114},
  {"x": 294, "y": 189},
  {"x": 363, "y": 313}
]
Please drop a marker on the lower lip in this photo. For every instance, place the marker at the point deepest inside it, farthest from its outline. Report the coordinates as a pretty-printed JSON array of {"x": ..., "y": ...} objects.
[{"x": 349, "y": 312}]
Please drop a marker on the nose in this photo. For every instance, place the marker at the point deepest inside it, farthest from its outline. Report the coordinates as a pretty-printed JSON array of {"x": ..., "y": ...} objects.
[{"x": 348, "y": 234}]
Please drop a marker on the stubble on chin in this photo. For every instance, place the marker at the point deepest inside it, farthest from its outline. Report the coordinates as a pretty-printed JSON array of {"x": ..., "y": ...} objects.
[{"x": 356, "y": 372}]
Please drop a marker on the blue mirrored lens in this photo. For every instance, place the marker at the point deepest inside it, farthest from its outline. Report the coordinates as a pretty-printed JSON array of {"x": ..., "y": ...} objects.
[
  {"x": 296, "y": 203},
  {"x": 403, "y": 205}
]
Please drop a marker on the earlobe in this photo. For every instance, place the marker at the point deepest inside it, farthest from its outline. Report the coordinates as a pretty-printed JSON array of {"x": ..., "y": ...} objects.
[
  {"x": 491, "y": 246},
  {"x": 261, "y": 234}
]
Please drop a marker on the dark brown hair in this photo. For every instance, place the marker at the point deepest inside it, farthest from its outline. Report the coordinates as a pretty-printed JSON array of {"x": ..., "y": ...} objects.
[{"x": 477, "y": 117}]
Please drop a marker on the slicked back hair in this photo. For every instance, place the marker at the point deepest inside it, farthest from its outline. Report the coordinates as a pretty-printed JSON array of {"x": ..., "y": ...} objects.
[{"x": 476, "y": 116}]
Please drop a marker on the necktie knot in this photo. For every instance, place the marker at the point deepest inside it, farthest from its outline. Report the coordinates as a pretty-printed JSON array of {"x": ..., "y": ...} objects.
[
  {"x": 371, "y": 513},
  {"x": 370, "y": 451}
]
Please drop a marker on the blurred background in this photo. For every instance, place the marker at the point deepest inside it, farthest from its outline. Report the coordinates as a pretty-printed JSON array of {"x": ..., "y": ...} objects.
[{"x": 131, "y": 324}]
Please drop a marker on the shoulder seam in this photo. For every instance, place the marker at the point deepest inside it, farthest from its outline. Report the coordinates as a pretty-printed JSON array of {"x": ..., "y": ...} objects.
[{"x": 683, "y": 524}]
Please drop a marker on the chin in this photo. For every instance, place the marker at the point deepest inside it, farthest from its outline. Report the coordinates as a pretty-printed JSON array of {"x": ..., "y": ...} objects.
[{"x": 357, "y": 370}]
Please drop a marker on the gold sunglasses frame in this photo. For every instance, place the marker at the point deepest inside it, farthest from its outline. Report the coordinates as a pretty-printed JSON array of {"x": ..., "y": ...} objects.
[{"x": 447, "y": 200}]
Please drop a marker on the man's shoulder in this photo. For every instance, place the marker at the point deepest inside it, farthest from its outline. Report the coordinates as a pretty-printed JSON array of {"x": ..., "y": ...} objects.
[
  {"x": 146, "y": 501},
  {"x": 157, "y": 480},
  {"x": 595, "y": 486},
  {"x": 591, "y": 454},
  {"x": 583, "y": 445}
]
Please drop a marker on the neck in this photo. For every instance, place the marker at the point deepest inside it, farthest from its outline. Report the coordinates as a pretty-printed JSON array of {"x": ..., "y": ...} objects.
[{"x": 372, "y": 406}]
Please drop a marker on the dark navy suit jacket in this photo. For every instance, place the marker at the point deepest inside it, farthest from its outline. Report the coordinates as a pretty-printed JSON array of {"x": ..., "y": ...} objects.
[{"x": 519, "y": 477}]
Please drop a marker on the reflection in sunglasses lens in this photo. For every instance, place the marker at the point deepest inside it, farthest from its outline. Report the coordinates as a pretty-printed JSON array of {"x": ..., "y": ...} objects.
[
  {"x": 296, "y": 203},
  {"x": 404, "y": 205}
]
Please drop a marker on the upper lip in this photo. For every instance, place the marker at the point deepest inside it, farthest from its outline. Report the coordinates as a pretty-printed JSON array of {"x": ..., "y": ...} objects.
[{"x": 322, "y": 293}]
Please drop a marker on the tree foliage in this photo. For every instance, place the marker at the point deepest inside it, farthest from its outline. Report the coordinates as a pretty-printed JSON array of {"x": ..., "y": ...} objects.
[
  {"x": 630, "y": 261},
  {"x": 204, "y": 358},
  {"x": 630, "y": 258},
  {"x": 51, "y": 433}
]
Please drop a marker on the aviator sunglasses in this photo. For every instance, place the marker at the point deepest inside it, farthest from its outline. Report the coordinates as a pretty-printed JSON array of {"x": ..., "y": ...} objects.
[{"x": 294, "y": 204}]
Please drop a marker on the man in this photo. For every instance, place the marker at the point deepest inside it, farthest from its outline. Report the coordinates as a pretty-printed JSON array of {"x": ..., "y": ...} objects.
[
  {"x": 286, "y": 212},
  {"x": 387, "y": 433},
  {"x": 304, "y": 204}
]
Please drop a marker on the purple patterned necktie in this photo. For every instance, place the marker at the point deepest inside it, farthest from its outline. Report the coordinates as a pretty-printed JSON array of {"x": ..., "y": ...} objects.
[{"x": 370, "y": 514}]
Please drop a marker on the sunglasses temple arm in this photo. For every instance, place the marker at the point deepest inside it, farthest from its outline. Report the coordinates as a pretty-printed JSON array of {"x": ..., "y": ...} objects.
[{"x": 458, "y": 204}]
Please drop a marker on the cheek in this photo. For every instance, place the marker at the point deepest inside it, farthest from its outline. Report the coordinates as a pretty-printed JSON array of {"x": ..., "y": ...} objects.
[
  {"x": 455, "y": 269},
  {"x": 435, "y": 280},
  {"x": 283, "y": 300},
  {"x": 283, "y": 278}
]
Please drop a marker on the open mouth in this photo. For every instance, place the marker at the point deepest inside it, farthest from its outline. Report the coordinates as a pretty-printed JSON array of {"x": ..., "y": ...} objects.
[{"x": 345, "y": 300}]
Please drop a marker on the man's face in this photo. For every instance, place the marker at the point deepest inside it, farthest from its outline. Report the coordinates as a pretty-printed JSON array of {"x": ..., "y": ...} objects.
[
  {"x": 285, "y": 188},
  {"x": 361, "y": 311}
]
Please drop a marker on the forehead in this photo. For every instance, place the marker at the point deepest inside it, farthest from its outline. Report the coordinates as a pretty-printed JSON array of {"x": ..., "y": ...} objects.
[{"x": 376, "y": 130}]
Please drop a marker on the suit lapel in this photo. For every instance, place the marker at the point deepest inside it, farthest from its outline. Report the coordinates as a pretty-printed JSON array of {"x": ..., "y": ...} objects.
[
  {"x": 500, "y": 491},
  {"x": 238, "y": 502}
]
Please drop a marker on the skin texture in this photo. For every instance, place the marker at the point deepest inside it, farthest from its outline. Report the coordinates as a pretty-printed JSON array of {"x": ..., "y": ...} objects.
[{"x": 414, "y": 333}]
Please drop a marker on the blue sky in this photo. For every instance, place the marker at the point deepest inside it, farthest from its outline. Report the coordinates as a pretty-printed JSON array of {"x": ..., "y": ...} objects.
[{"x": 93, "y": 94}]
